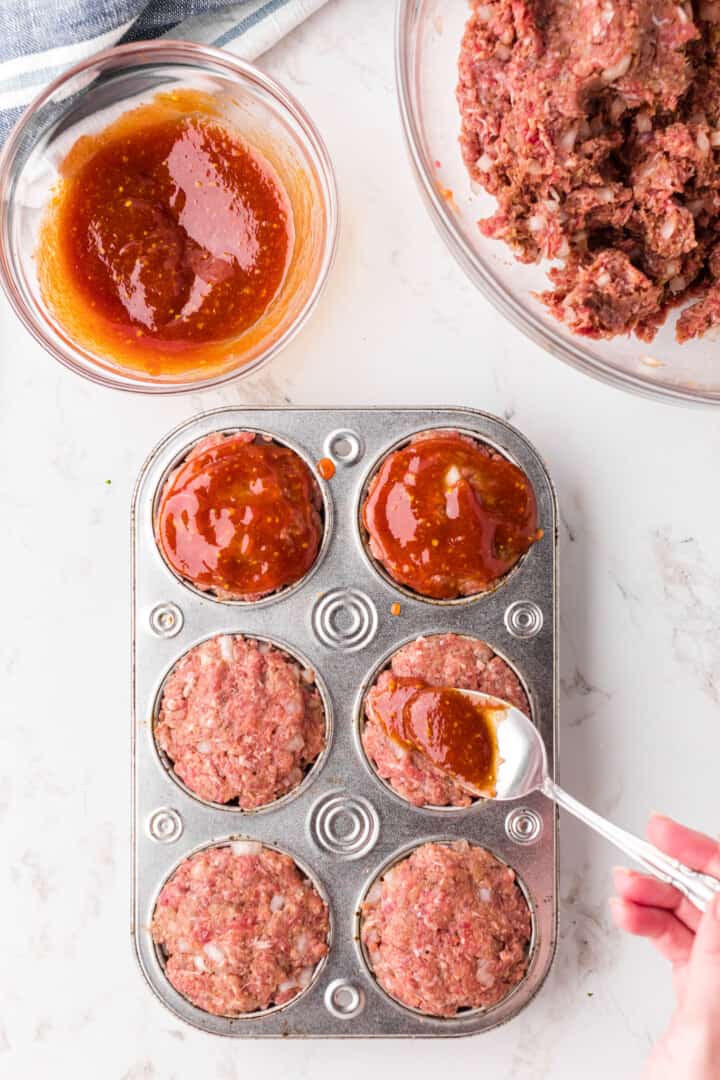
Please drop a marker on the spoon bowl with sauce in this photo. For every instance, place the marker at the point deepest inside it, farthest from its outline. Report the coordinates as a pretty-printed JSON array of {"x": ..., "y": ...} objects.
[{"x": 496, "y": 752}]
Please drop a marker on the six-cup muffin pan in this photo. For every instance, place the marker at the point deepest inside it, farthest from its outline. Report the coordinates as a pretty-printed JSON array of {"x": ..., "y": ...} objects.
[{"x": 342, "y": 825}]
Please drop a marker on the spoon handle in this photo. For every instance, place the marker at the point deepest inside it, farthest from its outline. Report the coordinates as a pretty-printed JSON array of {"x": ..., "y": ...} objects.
[{"x": 697, "y": 887}]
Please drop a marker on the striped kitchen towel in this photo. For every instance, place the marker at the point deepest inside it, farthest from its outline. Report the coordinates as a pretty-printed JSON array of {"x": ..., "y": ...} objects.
[{"x": 39, "y": 39}]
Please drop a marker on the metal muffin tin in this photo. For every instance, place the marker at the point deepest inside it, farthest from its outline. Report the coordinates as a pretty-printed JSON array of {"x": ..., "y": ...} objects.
[{"x": 343, "y": 825}]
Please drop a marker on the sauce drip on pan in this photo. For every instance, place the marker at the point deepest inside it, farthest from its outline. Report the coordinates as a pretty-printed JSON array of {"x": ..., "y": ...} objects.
[
  {"x": 240, "y": 516},
  {"x": 168, "y": 235},
  {"x": 448, "y": 517},
  {"x": 326, "y": 468},
  {"x": 451, "y": 730}
]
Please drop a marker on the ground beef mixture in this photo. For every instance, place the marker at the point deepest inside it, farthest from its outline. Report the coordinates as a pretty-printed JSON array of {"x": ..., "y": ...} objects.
[
  {"x": 596, "y": 125},
  {"x": 240, "y": 721},
  {"x": 240, "y": 929},
  {"x": 440, "y": 660},
  {"x": 447, "y": 928},
  {"x": 448, "y": 516}
]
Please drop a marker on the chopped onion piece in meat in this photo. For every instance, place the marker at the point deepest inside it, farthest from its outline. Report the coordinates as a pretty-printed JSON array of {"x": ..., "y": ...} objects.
[
  {"x": 374, "y": 893},
  {"x": 214, "y": 952},
  {"x": 245, "y": 847},
  {"x": 616, "y": 71},
  {"x": 226, "y": 648},
  {"x": 483, "y": 975},
  {"x": 568, "y": 138}
]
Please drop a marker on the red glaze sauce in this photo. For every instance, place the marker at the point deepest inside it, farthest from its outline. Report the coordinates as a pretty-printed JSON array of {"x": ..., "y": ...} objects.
[
  {"x": 169, "y": 234},
  {"x": 449, "y": 517},
  {"x": 326, "y": 468},
  {"x": 240, "y": 517},
  {"x": 452, "y": 731}
]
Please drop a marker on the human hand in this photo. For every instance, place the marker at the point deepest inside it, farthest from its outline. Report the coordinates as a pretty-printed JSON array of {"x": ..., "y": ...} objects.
[{"x": 690, "y": 1048}]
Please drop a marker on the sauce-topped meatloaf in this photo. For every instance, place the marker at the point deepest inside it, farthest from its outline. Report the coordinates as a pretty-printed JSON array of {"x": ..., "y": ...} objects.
[
  {"x": 596, "y": 125},
  {"x": 240, "y": 517},
  {"x": 449, "y": 516}
]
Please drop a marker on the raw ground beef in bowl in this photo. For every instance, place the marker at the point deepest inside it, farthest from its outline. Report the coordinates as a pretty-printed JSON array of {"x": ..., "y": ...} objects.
[
  {"x": 240, "y": 928},
  {"x": 240, "y": 721},
  {"x": 447, "y": 928},
  {"x": 439, "y": 660},
  {"x": 596, "y": 126}
]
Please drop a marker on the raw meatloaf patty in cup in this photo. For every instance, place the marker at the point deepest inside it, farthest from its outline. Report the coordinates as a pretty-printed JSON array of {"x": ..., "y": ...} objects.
[
  {"x": 240, "y": 517},
  {"x": 240, "y": 928},
  {"x": 440, "y": 660},
  {"x": 240, "y": 721},
  {"x": 448, "y": 516},
  {"x": 447, "y": 928}
]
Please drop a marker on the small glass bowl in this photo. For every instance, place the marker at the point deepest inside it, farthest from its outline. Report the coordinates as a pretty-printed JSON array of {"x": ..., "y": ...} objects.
[
  {"x": 90, "y": 96},
  {"x": 427, "y": 47}
]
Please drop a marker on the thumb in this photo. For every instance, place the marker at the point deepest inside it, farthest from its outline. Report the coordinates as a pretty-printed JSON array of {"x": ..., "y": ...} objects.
[{"x": 703, "y": 987}]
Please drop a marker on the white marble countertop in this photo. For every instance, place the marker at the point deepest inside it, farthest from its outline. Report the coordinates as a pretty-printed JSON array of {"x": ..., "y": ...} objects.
[{"x": 640, "y": 628}]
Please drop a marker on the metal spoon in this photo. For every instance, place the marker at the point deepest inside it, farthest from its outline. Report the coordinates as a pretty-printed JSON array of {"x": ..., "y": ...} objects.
[{"x": 523, "y": 767}]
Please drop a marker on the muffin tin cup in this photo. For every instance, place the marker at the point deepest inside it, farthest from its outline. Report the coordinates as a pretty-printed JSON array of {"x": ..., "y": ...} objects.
[
  {"x": 290, "y": 654},
  {"x": 325, "y": 510},
  {"x": 342, "y": 826},
  {"x": 360, "y": 719},
  {"x": 394, "y": 860},
  {"x": 375, "y": 563},
  {"x": 161, "y": 959}
]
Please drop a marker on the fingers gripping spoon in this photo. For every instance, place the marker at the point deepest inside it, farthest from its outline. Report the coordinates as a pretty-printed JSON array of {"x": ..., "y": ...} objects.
[{"x": 522, "y": 767}]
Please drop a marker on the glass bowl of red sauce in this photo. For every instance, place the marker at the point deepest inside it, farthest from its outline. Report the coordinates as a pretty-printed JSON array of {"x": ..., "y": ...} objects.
[{"x": 168, "y": 217}]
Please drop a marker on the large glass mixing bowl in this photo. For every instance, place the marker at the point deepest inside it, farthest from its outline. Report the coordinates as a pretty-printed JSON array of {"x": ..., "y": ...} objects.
[{"x": 428, "y": 34}]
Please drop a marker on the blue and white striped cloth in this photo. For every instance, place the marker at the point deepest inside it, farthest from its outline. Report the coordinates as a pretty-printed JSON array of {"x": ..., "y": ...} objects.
[{"x": 39, "y": 39}]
